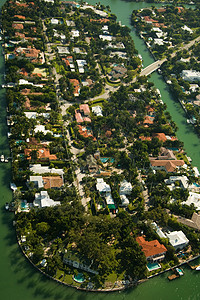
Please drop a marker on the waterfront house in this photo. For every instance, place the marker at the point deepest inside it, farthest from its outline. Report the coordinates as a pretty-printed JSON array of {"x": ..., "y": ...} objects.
[
  {"x": 153, "y": 250},
  {"x": 38, "y": 169},
  {"x": 103, "y": 188},
  {"x": 42, "y": 199},
  {"x": 182, "y": 180},
  {"x": 166, "y": 165},
  {"x": 177, "y": 239},
  {"x": 76, "y": 260},
  {"x": 190, "y": 75},
  {"x": 43, "y": 154},
  {"x": 194, "y": 198}
]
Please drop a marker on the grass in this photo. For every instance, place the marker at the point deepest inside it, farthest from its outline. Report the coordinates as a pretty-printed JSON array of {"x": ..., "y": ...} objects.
[
  {"x": 40, "y": 71},
  {"x": 183, "y": 157},
  {"x": 112, "y": 84}
]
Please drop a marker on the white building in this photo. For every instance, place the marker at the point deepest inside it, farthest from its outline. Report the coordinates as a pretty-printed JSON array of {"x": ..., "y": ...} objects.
[
  {"x": 38, "y": 181},
  {"x": 177, "y": 239},
  {"x": 38, "y": 169},
  {"x": 34, "y": 115},
  {"x": 190, "y": 75},
  {"x": 124, "y": 200},
  {"x": 54, "y": 21},
  {"x": 63, "y": 50},
  {"x": 81, "y": 63},
  {"x": 97, "y": 110},
  {"x": 41, "y": 128},
  {"x": 193, "y": 198},
  {"x": 42, "y": 199},
  {"x": 108, "y": 38},
  {"x": 186, "y": 28},
  {"x": 74, "y": 33},
  {"x": 103, "y": 187},
  {"x": 182, "y": 180},
  {"x": 125, "y": 188}
]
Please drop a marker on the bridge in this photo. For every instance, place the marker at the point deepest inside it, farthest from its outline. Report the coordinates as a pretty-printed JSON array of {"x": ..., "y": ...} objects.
[{"x": 153, "y": 67}]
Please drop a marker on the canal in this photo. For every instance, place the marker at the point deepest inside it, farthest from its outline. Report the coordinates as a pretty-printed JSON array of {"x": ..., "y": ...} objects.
[{"x": 19, "y": 280}]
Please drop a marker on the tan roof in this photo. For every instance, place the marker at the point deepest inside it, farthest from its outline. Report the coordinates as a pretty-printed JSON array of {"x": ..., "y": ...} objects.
[
  {"x": 169, "y": 165},
  {"x": 161, "y": 136},
  {"x": 151, "y": 248},
  {"x": 52, "y": 182}
]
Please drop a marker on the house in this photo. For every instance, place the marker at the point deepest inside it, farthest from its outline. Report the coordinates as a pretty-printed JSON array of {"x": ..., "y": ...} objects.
[
  {"x": 92, "y": 164},
  {"x": 81, "y": 64},
  {"x": 43, "y": 154},
  {"x": 54, "y": 21},
  {"x": 41, "y": 128},
  {"x": 74, "y": 259},
  {"x": 177, "y": 239},
  {"x": 161, "y": 136},
  {"x": 166, "y": 154},
  {"x": 190, "y": 75},
  {"x": 125, "y": 188},
  {"x": 194, "y": 198},
  {"x": 193, "y": 223},
  {"x": 38, "y": 169},
  {"x": 166, "y": 165},
  {"x": 20, "y": 17},
  {"x": 63, "y": 50},
  {"x": 76, "y": 86},
  {"x": 124, "y": 200},
  {"x": 18, "y": 26},
  {"x": 153, "y": 250},
  {"x": 42, "y": 199},
  {"x": 103, "y": 188},
  {"x": 74, "y": 33},
  {"x": 84, "y": 108},
  {"x": 110, "y": 202},
  {"x": 148, "y": 120},
  {"x": 182, "y": 180},
  {"x": 38, "y": 181},
  {"x": 86, "y": 132},
  {"x": 97, "y": 110},
  {"x": 54, "y": 182}
]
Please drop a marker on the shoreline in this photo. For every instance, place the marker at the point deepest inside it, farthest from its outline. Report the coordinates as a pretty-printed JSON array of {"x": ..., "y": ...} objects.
[{"x": 131, "y": 285}]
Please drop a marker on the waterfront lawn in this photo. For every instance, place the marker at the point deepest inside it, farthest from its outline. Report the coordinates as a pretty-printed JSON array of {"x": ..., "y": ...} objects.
[{"x": 183, "y": 157}]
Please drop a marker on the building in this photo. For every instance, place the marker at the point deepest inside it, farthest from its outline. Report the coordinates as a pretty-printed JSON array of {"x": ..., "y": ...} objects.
[
  {"x": 103, "y": 188},
  {"x": 124, "y": 200},
  {"x": 97, "y": 110},
  {"x": 92, "y": 164},
  {"x": 190, "y": 75},
  {"x": 153, "y": 250},
  {"x": 43, "y": 154},
  {"x": 74, "y": 259},
  {"x": 193, "y": 198},
  {"x": 125, "y": 188},
  {"x": 168, "y": 166},
  {"x": 76, "y": 86},
  {"x": 42, "y": 199},
  {"x": 182, "y": 180},
  {"x": 193, "y": 223},
  {"x": 38, "y": 169},
  {"x": 38, "y": 181},
  {"x": 177, "y": 239},
  {"x": 166, "y": 154}
]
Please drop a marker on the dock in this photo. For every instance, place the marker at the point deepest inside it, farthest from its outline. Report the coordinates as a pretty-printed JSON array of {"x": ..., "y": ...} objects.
[
  {"x": 173, "y": 276},
  {"x": 193, "y": 267}
]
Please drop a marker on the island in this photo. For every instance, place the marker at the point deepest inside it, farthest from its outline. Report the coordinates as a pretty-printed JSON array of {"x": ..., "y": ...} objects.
[{"x": 104, "y": 195}]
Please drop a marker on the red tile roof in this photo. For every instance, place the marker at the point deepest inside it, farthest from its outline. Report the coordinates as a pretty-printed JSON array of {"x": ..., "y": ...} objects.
[
  {"x": 85, "y": 109},
  {"x": 76, "y": 86},
  {"x": 151, "y": 248},
  {"x": 161, "y": 136},
  {"x": 20, "y": 17},
  {"x": 17, "y": 26},
  {"x": 43, "y": 154},
  {"x": 169, "y": 165},
  {"x": 53, "y": 182}
]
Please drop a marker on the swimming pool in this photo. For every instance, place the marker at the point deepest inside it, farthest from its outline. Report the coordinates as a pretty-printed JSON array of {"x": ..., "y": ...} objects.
[
  {"x": 153, "y": 266},
  {"x": 106, "y": 159},
  {"x": 196, "y": 184},
  {"x": 79, "y": 278}
]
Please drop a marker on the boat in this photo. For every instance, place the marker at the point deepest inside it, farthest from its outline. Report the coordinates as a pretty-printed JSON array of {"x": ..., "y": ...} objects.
[
  {"x": 197, "y": 268},
  {"x": 7, "y": 206},
  {"x": 179, "y": 271},
  {"x": 6, "y": 160},
  {"x": 2, "y": 158}
]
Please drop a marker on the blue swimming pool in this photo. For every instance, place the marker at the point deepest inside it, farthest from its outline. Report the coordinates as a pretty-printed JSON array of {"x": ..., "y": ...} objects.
[
  {"x": 196, "y": 184},
  {"x": 153, "y": 266},
  {"x": 79, "y": 278},
  {"x": 107, "y": 159}
]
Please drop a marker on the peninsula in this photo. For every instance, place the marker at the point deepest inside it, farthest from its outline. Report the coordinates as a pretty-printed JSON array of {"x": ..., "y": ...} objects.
[{"x": 103, "y": 193}]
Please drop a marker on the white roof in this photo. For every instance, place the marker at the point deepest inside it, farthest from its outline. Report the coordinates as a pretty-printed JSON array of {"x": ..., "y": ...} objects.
[
  {"x": 41, "y": 128},
  {"x": 38, "y": 180},
  {"x": 102, "y": 186},
  {"x": 177, "y": 238},
  {"x": 109, "y": 199},
  {"x": 97, "y": 11},
  {"x": 97, "y": 110},
  {"x": 106, "y": 37},
  {"x": 159, "y": 42},
  {"x": 125, "y": 187},
  {"x": 42, "y": 199},
  {"x": 196, "y": 171},
  {"x": 183, "y": 179},
  {"x": 63, "y": 50},
  {"x": 158, "y": 230},
  {"x": 74, "y": 33},
  {"x": 34, "y": 114},
  {"x": 124, "y": 200},
  {"x": 70, "y": 23},
  {"x": 81, "y": 62},
  {"x": 185, "y": 27},
  {"x": 54, "y": 21},
  {"x": 193, "y": 198},
  {"x": 38, "y": 169}
]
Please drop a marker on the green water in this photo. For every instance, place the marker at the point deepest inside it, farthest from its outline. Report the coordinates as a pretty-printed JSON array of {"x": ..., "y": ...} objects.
[{"x": 19, "y": 280}]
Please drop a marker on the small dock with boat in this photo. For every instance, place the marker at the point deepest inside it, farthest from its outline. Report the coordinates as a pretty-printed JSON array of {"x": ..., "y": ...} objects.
[
  {"x": 177, "y": 273},
  {"x": 196, "y": 267}
]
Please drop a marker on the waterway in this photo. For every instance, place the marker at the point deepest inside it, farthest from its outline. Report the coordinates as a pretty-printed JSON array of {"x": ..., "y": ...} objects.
[{"x": 19, "y": 280}]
